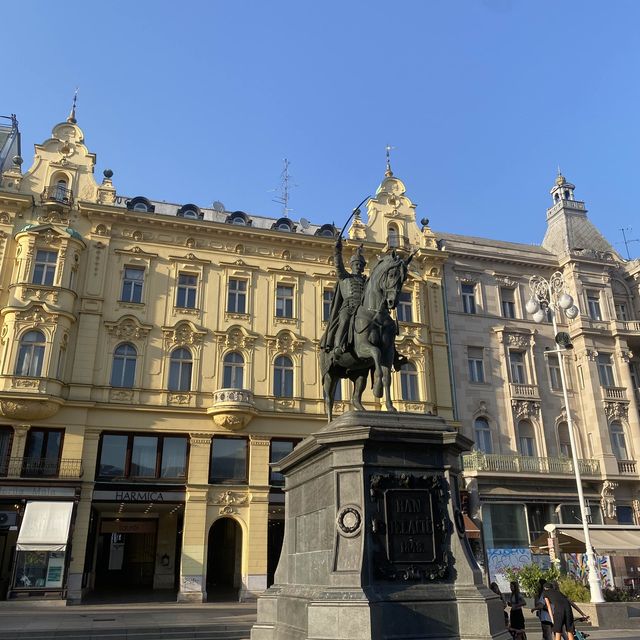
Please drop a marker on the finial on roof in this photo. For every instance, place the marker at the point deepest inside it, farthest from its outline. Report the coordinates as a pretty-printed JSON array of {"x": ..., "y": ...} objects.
[
  {"x": 72, "y": 113},
  {"x": 388, "y": 172},
  {"x": 560, "y": 179}
]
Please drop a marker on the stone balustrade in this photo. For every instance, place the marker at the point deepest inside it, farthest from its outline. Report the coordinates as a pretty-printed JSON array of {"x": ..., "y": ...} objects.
[{"x": 493, "y": 462}]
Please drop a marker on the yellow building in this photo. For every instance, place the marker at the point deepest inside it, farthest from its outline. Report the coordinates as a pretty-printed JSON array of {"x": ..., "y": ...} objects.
[{"x": 154, "y": 359}]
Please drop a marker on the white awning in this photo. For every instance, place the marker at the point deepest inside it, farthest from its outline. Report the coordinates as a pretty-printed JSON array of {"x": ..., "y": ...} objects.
[
  {"x": 45, "y": 526},
  {"x": 607, "y": 540}
]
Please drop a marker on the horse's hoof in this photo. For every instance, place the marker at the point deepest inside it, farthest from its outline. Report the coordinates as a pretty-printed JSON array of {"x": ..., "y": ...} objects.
[{"x": 391, "y": 408}]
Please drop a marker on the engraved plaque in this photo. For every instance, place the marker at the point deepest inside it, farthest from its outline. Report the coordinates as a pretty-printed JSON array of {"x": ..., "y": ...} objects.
[{"x": 410, "y": 525}]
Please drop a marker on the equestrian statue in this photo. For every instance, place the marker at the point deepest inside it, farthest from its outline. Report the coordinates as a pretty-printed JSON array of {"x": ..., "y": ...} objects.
[{"x": 359, "y": 339}]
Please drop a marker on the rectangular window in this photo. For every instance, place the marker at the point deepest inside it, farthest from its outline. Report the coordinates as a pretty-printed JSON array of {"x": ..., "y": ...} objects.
[
  {"x": 468, "y": 298},
  {"x": 605, "y": 370},
  {"x": 475, "y": 357},
  {"x": 279, "y": 449},
  {"x": 327, "y": 297},
  {"x": 624, "y": 514},
  {"x": 142, "y": 456},
  {"x": 405, "y": 307},
  {"x": 621, "y": 311},
  {"x": 187, "y": 287},
  {"x": 518, "y": 371},
  {"x": 593, "y": 302},
  {"x": 45, "y": 267},
  {"x": 284, "y": 301},
  {"x": 508, "y": 302},
  {"x": 504, "y": 526},
  {"x": 228, "y": 460},
  {"x": 237, "y": 297},
  {"x": 554, "y": 373},
  {"x": 132, "y": 281},
  {"x": 42, "y": 452}
]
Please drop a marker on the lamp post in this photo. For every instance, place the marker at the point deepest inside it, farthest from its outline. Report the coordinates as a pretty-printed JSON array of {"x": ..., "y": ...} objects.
[{"x": 549, "y": 297}]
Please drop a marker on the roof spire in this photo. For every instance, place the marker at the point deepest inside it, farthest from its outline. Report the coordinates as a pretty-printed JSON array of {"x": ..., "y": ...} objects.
[
  {"x": 388, "y": 172},
  {"x": 72, "y": 113}
]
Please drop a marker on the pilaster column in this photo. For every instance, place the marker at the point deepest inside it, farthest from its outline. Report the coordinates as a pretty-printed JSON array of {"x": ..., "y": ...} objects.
[
  {"x": 193, "y": 568},
  {"x": 255, "y": 580},
  {"x": 19, "y": 440}
]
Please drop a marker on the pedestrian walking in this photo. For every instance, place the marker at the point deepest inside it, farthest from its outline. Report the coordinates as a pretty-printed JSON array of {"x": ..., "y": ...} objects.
[
  {"x": 541, "y": 611},
  {"x": 496, "y": 589},
  {"x": 516, "y": 616},
  {"x": 560, "y": 610}
]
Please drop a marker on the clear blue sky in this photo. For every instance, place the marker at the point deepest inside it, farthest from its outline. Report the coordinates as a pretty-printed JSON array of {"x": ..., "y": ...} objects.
[{"x": 200, "y": 101}]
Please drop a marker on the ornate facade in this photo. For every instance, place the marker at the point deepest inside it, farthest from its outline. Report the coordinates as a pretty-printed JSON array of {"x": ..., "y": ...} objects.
[
  {"x": 155, "y": 358},
  {"x": 509, "y": 395}
]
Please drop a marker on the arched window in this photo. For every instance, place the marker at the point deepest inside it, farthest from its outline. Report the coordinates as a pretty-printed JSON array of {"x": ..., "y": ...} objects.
[
  {"x": 123, "y": 371},
  {"x": 482, "y": 435},
  {"x": 233, "y": 373},
  {"x": 618, "y": 441},
  {"x": 140, "y": 206},
  {"x": 283, "y": 377},
  {"x": 564, "y": 441},
  {"x": 180, "y": 368},
  {"x": 60, "y": 192},
  {"x": 409, "y": 382},
  {"x": 31, "y": 354},
  {"x": 393, "y": 237},
  {"x": 526, "y": 438}
]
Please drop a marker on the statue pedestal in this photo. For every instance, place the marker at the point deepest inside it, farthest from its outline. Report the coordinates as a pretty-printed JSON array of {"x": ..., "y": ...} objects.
[{"x": 374, "y": 545}]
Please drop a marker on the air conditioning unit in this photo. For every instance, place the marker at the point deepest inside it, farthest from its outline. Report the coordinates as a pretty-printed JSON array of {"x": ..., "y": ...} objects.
[{"x": 8, "y": 519}]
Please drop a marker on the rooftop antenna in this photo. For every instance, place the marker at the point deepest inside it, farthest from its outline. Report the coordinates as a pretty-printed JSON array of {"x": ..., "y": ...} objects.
[
  {"x": 627, "y": 242},
  {"x": 284, "y": 189},
  {"x": 72, "y": 113},
  {"x": 388, "y": 172}
]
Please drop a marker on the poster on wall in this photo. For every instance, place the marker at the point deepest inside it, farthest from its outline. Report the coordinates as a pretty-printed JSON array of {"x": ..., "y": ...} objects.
[
  {"x": 577, "y": 567},
  {"x": 501, "y": 559},
  {"x": 55, "y": 569}
]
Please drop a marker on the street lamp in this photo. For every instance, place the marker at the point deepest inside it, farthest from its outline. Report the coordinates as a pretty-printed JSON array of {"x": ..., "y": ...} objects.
[{"x": 549, "y": 297}]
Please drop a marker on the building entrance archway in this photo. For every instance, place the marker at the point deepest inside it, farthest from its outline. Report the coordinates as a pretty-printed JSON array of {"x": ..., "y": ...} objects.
[{"x": 224, "y": 560}]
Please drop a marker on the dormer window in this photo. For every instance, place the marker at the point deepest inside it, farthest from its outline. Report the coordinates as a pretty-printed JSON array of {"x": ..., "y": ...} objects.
[
  {"x": 283, "y": 224},
  {"x": 393, "y": 237},
  {"x": 240, "y": 218},
  {"x": 141, "y": 204},
  {"x": 327, "y": 231},
  {"x": 190, "y": 211}
]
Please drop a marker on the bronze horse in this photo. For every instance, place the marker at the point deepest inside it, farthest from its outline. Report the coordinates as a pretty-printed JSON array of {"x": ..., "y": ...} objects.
[{"x": 373, "y": 350}]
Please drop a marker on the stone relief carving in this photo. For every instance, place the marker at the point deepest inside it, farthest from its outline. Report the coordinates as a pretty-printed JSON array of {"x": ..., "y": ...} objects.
[
  {"x": 616, "y": 410},
  {"x": 36, "y": 315},
  {"x": 179, "y": 398},
  {"x": 236, "y": 338},
  {"x": 525, "y": 409},
  {"x": 608, "y": 499},
  {"x": 518, "y": 340},
  {"x": 231, "y": 500},
  {"x": 183, "y": 334},
  {"x": 128, "y": 329},
  {"x": 285, "y": 342}
]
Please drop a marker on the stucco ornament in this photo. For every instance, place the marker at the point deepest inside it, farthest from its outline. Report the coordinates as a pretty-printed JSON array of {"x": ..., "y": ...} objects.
[
  {"x": 232, "y": 409},
  {"x": 32, "y": 409},
  {"x": 608, "y": 499}
]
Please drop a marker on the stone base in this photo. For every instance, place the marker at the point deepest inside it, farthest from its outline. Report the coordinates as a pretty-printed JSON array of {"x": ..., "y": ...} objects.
[
  {"x": 191, "y": 596},
  {"x": 374, "y": 545}
]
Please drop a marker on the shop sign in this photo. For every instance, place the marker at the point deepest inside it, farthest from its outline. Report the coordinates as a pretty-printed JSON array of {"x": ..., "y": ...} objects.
[
  {"x": 144, "y": 495},
  {"x": 128, "y": 526},
  {"x": 38, "y": 492}
]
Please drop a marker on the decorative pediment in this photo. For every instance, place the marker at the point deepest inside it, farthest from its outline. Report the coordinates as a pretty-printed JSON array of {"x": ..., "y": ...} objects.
[
  {"x": 518, "y": 340},
  {"x": 36, "y": 315},
  {"x": 52, "y": 235},
  {"x": 236, "y": 337},
  {"x": 411, "y": 348},
  {"x": 185, "y": 333},
  {"x": 285, "y": 342},
  {"x": 128, "y": 328}
]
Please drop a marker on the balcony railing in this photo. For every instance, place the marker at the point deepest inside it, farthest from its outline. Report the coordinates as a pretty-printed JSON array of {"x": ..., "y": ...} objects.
[
  {"x": 57, "y": 194},
  {"x": 626, "y": 467},
  {"x": 40, "y": 468},
  {"x": 478, "y": 461},
  {"x": 615, "y": 393},
  {"x": 629, "y": 326},
  {"x": 524, "y": 390}
]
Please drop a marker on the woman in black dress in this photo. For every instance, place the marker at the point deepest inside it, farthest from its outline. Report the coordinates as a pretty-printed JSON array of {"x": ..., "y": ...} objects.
[
  {"x": 516, "y": 617},
  {"x": 560, "y": 611}
]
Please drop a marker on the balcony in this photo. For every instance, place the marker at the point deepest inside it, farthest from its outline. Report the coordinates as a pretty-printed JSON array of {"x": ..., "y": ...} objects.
[
  {"x": 627, "y": 467},
  {"x": 232, "y": 409},
  {"x": 527, "y": 391},
  {"x": 497, "y": 463},
  {"x": 628, "y": 326},
  {"x": 66, "y": 468},
  {"x": 57, "y": 197},
  {"x": 614, "y": 393}
]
